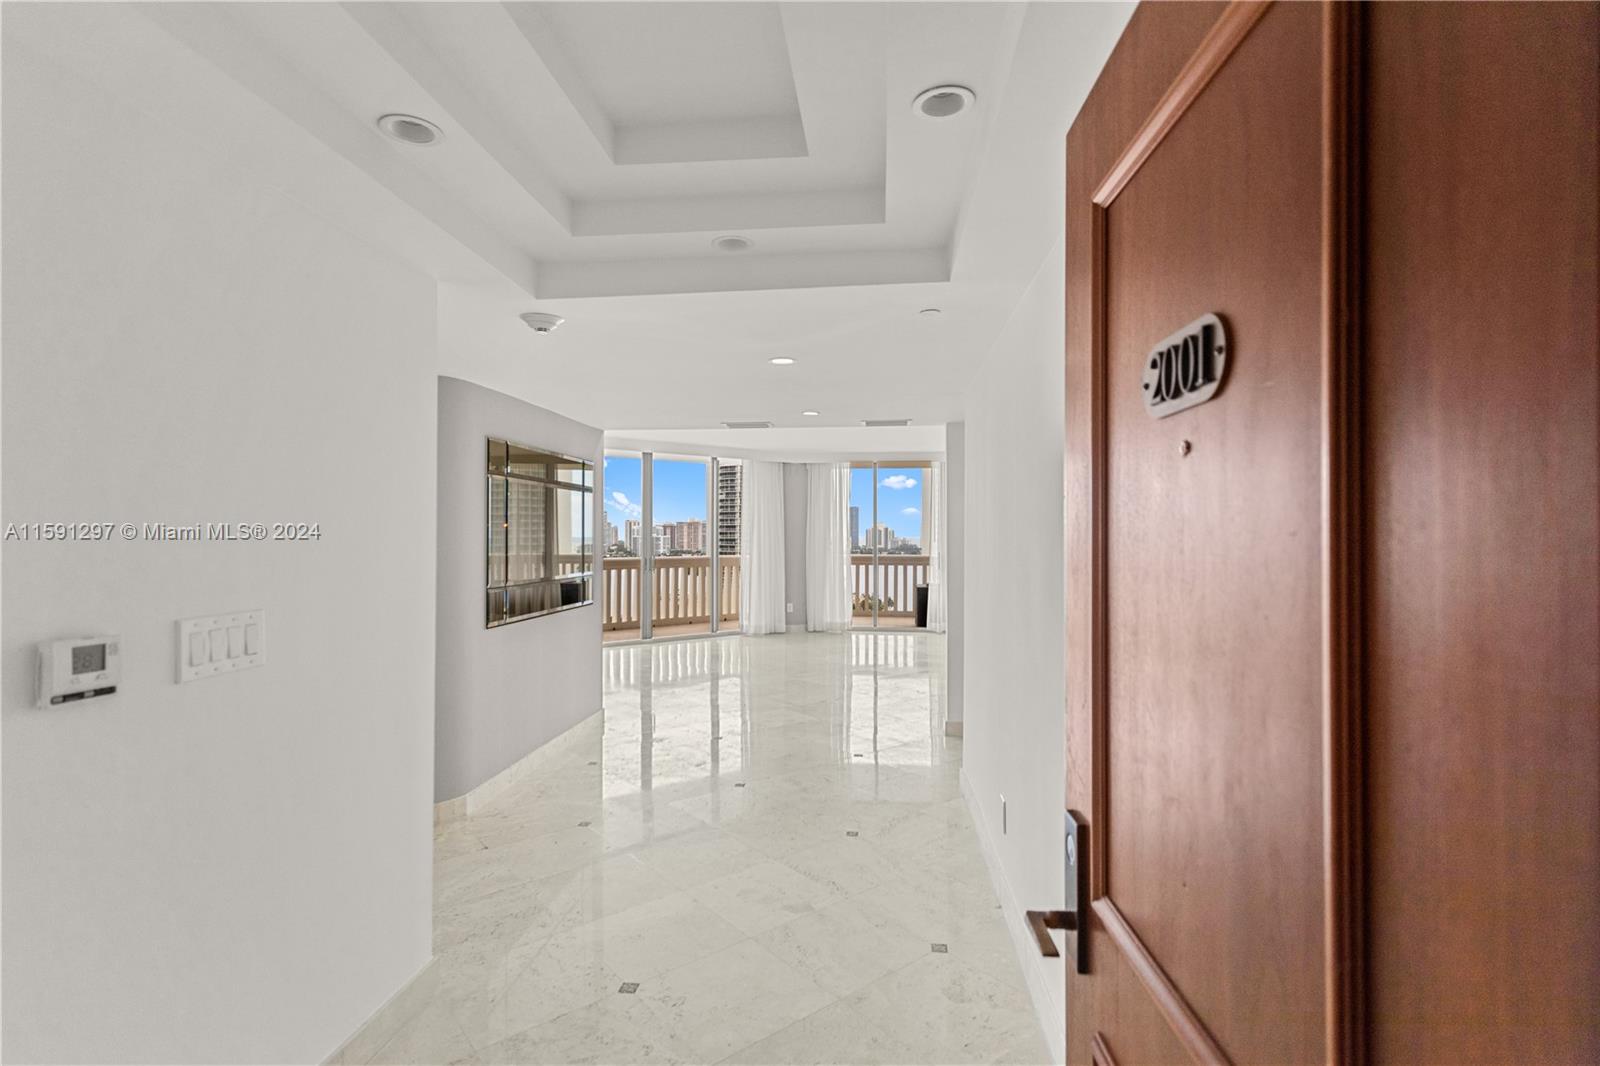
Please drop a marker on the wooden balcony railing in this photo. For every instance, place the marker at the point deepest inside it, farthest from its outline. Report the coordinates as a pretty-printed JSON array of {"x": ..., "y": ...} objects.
[{"x": 681, "y": 591}]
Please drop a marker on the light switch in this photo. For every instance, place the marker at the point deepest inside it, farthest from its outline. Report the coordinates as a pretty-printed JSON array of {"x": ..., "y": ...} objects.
[{"x": 221, "y": 645}]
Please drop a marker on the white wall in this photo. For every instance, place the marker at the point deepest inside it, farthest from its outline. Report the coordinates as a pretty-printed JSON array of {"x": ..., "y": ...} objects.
[
  {"x": 501, "y": 692},
  {"x": 955, "y": 576},
  {"x": 236, "y": 869},
  {"x": 1014, "y": 689}
]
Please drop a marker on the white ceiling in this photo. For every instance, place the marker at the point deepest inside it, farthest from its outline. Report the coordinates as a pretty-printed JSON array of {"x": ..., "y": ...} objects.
[{"x": 593, "y": 150}]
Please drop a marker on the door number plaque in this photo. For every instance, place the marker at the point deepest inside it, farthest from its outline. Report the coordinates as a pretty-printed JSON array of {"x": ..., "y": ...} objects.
[{"x": 1186, "y": 369}]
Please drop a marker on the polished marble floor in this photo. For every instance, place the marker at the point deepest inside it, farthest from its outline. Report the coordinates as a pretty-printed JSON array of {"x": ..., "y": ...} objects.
[{"x": 763, "y": 858}]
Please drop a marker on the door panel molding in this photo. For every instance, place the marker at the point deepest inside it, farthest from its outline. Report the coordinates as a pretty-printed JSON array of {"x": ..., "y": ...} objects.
[
  {"x": 1185, "y": 1023},
  {"x": 1342, "y": 522},
  {"x": 1214, "y": 51}
]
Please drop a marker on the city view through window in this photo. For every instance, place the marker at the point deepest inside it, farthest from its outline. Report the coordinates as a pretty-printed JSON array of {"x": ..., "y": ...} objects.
[
  {"x": 694, "y": 500},
  {"x": 888, "y": 560}
]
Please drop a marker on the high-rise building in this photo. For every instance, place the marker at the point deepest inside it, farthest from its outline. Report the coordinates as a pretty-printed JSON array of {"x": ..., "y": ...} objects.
[
  {"x": 882, "y": 538},
  {"x": 608, "y": 532},
  {"x": 855, "y": 529},
  {"x": 730, "y": 506},
  {"x": 630, "y": 535},
  {"x": 661, "y": 535},
  {"x": 687, "y": 536}
]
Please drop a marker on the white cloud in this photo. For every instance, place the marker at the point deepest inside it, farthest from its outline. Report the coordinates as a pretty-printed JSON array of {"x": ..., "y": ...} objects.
[
  {"x": 620, "y": 502},
  {"x": 909, "y": 510},
  {"x": 899, "y": 481}
]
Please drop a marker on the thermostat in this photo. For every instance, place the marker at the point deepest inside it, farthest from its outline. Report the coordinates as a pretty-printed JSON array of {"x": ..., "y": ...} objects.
[{"x": 78, "y": 669}]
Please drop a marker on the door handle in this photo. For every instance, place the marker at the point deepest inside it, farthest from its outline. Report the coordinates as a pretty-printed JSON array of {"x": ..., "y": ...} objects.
[
  {"x": 1071, "y": 919},
  {"x": 1041, "y": 922}
]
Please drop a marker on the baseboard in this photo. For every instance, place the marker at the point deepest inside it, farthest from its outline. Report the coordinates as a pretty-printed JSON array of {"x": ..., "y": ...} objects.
[
  {"x": 953, "y": 729},
  {"x": 464, "y": 806},
  {"x": 1050, "y": 1011},
  {"x": 398, "y": 1009}
]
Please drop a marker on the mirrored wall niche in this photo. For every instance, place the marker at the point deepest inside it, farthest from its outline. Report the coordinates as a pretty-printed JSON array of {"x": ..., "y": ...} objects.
[{"x": 539, "y": 547}]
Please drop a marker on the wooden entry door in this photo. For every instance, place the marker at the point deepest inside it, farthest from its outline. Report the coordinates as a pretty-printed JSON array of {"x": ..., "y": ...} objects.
[
  {"x": 1336, "y": 739},
  {"x": 1205, "y": 726}
]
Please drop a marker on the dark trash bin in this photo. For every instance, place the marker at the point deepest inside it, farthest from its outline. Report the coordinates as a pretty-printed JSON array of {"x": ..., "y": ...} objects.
[{"x": 922, "y": 607}]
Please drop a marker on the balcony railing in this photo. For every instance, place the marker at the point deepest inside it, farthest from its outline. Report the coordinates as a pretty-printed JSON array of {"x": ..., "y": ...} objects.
[
  {"x": 681, "y": 592},
  {"x": 682, "y": 588},
  {"x": 899, "y": 576}
]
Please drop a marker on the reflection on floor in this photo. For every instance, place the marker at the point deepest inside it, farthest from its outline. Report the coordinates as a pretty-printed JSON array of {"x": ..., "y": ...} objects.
[
  {"x": 669, "y": 630},
  {"x": 765, "y": 859}
]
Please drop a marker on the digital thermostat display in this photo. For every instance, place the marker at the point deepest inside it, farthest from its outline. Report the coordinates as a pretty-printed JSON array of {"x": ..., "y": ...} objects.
[
  {"x": 83, "y": 668},
  {"x": 88, "y": 658}
]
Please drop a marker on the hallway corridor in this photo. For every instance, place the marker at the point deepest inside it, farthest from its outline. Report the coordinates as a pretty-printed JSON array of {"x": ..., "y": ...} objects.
[{"x": 765, "y": 858}]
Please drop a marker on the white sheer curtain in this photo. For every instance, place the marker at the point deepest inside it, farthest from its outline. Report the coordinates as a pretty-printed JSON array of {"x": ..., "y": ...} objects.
[
  {"x": 827, "y": 547},
  {"x": 761, "y": 589},
  {"x": 938, "y": 609}
]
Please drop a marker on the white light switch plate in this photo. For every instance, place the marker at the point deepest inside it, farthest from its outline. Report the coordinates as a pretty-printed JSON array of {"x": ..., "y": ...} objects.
[{"x": 203, "y": 626}]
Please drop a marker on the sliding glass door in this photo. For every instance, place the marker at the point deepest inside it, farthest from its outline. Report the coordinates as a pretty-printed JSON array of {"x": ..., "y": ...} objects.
[
  {"x": 623, "y": 600},
  {"x": 680, "y": 601},
  {"x": 888, "y": 533},
  {"x": 672, "y": 557}
]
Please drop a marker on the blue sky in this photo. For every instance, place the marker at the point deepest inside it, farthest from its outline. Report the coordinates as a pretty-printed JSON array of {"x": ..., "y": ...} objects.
[
  {"x": 899, "y": 499},
  {"x": 680, "y": 489},
  {"x": 680, "y": 493}
]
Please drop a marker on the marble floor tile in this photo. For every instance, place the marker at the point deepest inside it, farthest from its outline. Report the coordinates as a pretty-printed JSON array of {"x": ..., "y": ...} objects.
[
  {"x": 748, "y": 860},
  {"x": 616, "y": 1028},
  {"x": 692, "y": 859},
  {"x": 646, "y": 940},
  {"x": 759, "y": 897},
  {"x": 938, "y": 1009},
  {"x": 432, "y": 1036},
  {"x": 836, "y": 1035},
  {"x": 843, "y": 947},
  {"x": 732, "y": 999}
]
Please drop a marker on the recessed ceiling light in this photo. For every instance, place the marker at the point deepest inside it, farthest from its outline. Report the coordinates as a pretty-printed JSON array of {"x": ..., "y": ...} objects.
[
  {"x": 409, "y": 129},
  {"x": 943, "y": 101},
  {"x": 931, "y": 311},
  {"x": 782, "y": 360},
  {"x": 811, "y": 414},
  {"x": 732, "y": 242}
]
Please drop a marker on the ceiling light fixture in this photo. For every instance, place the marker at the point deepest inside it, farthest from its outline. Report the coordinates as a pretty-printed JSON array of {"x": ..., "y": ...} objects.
[
  {"x": 931, "y": 311},
  {"x": 732, "y": 242},
  {"x": 542, "y": 321},
  {"x": 782, "y": 360},
  {"x": 759, "y": 424},
  {"x": 943, "y": 101},
  {"x": 409, "y": 129},
  {"x": 811, "y": 414},
  {"x": 881, "y": 422}
]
